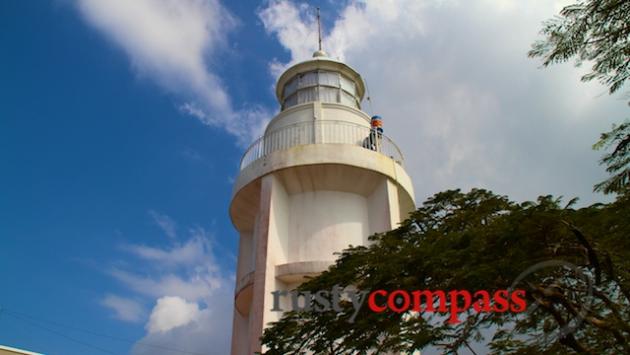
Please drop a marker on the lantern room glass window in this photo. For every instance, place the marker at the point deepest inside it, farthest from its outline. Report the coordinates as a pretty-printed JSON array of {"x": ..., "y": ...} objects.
[{"x": 324, "y": 86}]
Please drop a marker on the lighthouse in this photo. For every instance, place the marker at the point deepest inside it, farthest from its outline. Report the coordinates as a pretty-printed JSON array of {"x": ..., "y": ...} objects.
[{"x": 323, "y": 177}]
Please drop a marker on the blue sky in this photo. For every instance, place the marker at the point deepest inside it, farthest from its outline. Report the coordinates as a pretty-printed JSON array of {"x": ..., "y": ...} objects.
[{"x": 121, "y": 130}]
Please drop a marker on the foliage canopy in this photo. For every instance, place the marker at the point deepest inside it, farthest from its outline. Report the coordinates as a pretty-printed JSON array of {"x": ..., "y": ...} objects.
[{"x": 481, "y": 241}]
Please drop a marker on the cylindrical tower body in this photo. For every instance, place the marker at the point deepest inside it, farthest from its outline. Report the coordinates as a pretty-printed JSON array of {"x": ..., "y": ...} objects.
[{"x": 319, "y": 180}]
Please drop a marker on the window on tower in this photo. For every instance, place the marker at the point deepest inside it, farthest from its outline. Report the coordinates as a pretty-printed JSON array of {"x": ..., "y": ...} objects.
[{"x": 320, "y": 85}]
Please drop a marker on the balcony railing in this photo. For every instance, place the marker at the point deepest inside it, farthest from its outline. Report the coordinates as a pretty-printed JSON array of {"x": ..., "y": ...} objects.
[{"x": 321, "y": 132}]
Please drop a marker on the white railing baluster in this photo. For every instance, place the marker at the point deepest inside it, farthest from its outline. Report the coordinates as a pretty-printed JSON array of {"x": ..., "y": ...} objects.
[{"x": 318, "y": 132}]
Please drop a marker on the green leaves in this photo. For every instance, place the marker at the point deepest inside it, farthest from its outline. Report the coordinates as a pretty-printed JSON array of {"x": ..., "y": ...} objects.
[
  {"x": 595, "y": 30},
  {"x": 480, "y": 241},
  {"x": 618, "y": 161},
  {"x": 598, "y": 32}
]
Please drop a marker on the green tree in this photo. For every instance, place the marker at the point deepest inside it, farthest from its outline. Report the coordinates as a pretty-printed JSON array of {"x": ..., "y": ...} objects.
[
  {"x": 596, "y": 31},
  {"x": 617, "y": 161},
  {"x": 481, "y": 241}
]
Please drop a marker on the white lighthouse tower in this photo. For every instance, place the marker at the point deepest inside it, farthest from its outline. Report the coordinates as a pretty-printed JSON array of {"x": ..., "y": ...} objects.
[{"x": 319, "y": 180}]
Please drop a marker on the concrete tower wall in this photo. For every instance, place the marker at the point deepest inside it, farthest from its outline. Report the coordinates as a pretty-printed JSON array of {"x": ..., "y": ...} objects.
[{"x": 318, "y": 111}]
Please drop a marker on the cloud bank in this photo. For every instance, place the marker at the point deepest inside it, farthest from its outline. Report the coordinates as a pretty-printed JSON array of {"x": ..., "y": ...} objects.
[
  {"x": 174, "y": 43},
  {"x": 459, "y": 95},
  {"x": 189, "y": 295}
]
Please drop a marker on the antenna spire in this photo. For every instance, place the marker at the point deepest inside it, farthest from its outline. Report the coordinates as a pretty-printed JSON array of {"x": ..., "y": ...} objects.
[
  {"x": 319, "y": 52},
  {"x": 319, "y": 29}
]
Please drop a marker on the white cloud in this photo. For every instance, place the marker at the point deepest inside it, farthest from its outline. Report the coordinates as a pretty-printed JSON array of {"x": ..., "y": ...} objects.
[
  {"x": 165, "y": 222},
  {"x": 191, "y": 287},
  {"x": 125, "y": 309},
  {"x": 207, "y": 332},
  {"x": 459, "y": 95},
  {"x": 174, "y": 42},
  {"x": 193, "y": 295},
  {"x": 295, "y": 28},
  {"x": 171, "y": 312},
  {"x": 194, "y": 251}
]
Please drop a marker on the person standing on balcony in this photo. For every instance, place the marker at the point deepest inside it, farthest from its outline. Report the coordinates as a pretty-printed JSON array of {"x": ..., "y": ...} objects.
[{"x": 373, "y": 140}]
